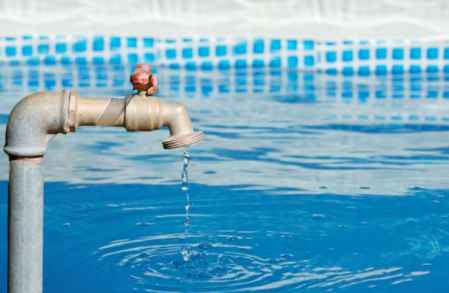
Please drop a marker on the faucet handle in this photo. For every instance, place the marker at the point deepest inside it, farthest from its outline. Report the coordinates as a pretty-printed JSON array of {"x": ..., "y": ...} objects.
[{"x": 143, "y": 80}]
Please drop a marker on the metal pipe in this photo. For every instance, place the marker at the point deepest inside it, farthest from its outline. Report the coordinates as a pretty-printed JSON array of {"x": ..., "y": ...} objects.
[
  {"x": 32, "y": 123},
  {"x": 25, "y": 242}
]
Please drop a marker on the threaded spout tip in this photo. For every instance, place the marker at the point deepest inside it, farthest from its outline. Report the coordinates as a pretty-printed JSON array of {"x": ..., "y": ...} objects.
[{"x": 183, "y": 140}]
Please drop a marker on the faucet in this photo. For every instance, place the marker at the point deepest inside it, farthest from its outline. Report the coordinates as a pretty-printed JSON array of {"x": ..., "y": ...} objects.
[{"x": 31, "y": 125}]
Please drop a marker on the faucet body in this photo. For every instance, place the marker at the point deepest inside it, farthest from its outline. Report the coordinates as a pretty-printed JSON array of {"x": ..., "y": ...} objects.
[
  {"x": 40, "y": 116},
  {"x": 31, "y": 125}
]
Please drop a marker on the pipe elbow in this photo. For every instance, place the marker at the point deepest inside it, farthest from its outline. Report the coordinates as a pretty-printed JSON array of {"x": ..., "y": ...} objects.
[{"x": 34, "y": 120}]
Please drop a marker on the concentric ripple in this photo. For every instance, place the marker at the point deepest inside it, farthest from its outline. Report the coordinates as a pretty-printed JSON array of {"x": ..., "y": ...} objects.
[
  {"x": 157, "y": 264},
  {"x": 224, "y": 263}
]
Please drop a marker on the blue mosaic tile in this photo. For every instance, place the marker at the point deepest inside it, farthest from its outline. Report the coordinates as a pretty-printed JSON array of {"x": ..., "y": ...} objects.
[
  {"x": 348, "y": 71},
  {"x": 275, "y": 62},
  {"x": 60, "y": 48},
  {"x": 397, "y": 69},
  {"x": 347, "y": 56},
  {"x": 258, "y": 63},
  {"x": 381, "y": 70},
  {"x": 79, "y": 46},
  {"x": 190, "y": 65},
  {"x": 381, "y": 53},
  {"x": 174, "y": 66},
  {"x": 309, "y": 44},
  {"x": 331, "y": 56},
  {"x": 97, "y": 60},
  {"x": 364, "y": 54},
  {"x": 207, "y": 66},
  {"x": 309, "y": 61},
  {"x": 170, "y": 53},
  {"x": 187, "y": 53},
  {"x": 363, "y": 71},
  {"x": 34, "y": 61},
  {"x": 240, "y": 49},
  {"x": 275, "y": 45},
  {"x": 148, "y": 42},
  {"x": 27, "y": 51},
  {"x": 131, "y": 42},
  {"x": 398, "y": 53},
  {"x": 220, "y": 51},
  {"x": 415, "y": 53},
  {"x": 415, "y": 68},
  {"x": 258, "y": 46},
  {"x": 115, "y": 43},
  {"x": 432, "y": 68},
  {"x": 115, "y": 59},
  {"x": 203, "y": 51},
  {"x": 149, "y": 57},
  {"x": 224, "y": 65},
  {"x": 98, "y": 44},
  {"x": 292, "y": 45},
  {"x": 292, "y": 62},
  {"x": 49, "y": 60},
  {"x": 10, "y": 51},
  {"x": 65, "y": 60},
  {"x": 432, "y": 53}
]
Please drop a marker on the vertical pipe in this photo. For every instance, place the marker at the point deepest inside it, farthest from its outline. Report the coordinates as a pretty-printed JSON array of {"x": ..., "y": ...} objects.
[{"x": 25, "y": 247}]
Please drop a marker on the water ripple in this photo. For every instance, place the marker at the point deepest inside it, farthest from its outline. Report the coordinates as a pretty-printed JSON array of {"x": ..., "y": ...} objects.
[{"x": 222, "y": 263}]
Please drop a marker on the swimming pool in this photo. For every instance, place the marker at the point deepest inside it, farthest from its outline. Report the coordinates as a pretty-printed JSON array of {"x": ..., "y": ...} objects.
[{"x": 323, "y": 182}]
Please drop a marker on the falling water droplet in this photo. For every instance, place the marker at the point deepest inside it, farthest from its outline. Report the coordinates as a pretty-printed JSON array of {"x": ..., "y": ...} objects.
[{"x": 186, "y": 251}]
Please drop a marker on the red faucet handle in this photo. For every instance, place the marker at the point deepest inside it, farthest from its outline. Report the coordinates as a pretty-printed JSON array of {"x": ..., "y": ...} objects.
[{"x": 143, "y": 80}]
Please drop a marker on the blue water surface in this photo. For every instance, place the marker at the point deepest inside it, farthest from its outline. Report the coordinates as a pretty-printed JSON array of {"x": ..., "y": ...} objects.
[{"x": 305, "y": 182}]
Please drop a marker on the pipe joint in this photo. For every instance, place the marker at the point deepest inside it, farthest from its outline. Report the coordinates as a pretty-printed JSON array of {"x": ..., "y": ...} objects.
[
  {"x": 34, "y": 121},
  {"x": 142, "y": 113}
]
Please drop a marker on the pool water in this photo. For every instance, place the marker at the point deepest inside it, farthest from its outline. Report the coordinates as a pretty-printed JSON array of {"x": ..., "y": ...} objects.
[{"x": 304, "y": 181}]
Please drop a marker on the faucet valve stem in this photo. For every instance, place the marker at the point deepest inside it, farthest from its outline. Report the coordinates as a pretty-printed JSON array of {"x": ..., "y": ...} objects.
[{"x": 143, "y": 80}]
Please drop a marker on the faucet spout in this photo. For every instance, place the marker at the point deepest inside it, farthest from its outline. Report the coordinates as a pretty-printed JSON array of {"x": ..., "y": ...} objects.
[{"x": 176, "y": 118}]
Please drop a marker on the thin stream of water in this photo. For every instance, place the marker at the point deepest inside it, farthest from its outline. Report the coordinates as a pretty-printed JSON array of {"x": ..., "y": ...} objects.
[{"x": 186, "y": 251}]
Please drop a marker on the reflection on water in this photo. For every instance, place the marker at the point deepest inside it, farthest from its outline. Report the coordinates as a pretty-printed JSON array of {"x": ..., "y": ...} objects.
[{"x": 273, "y": 139}]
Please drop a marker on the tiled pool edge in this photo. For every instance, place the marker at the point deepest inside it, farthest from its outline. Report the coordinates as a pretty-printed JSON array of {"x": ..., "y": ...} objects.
[{"x": 361, "y": 57}]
